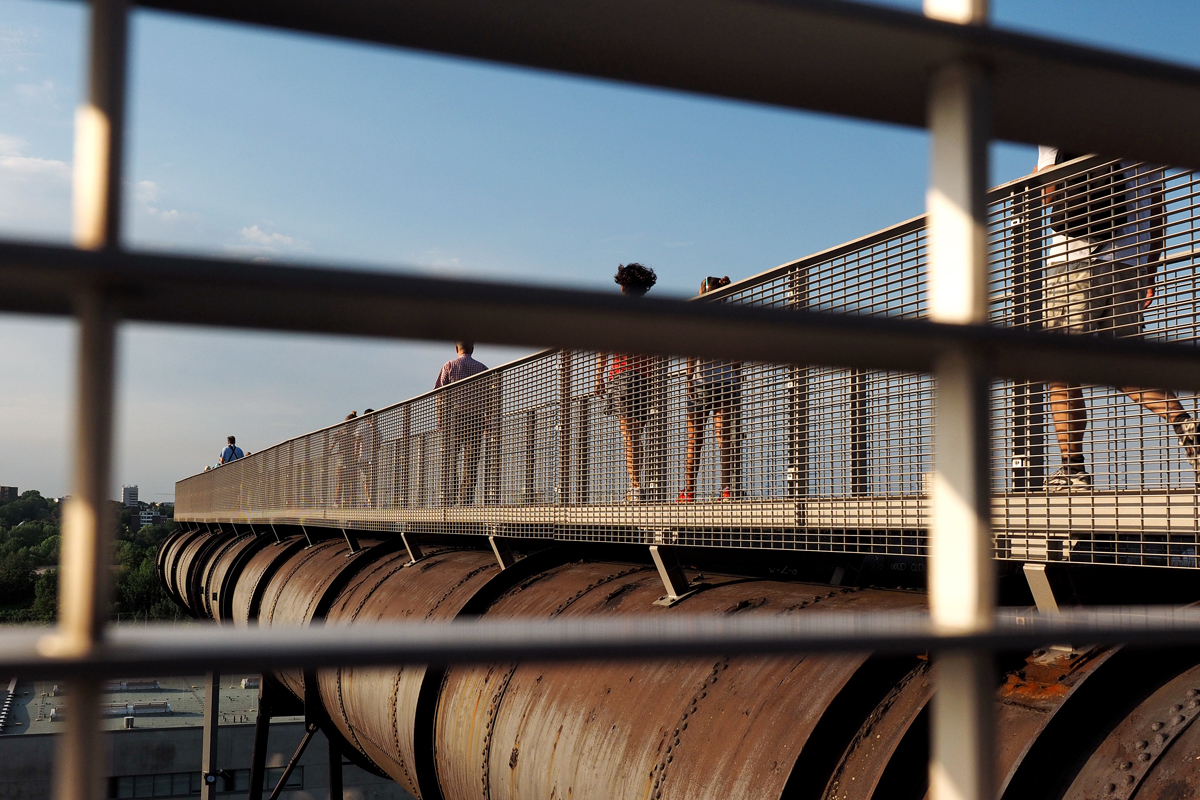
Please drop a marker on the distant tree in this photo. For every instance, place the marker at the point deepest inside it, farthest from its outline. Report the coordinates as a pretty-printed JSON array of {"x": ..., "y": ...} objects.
[
  {"x": 45, "y": 596},
  {"x": 138, "y": 588},
  {"x": 16, "y": 577}
]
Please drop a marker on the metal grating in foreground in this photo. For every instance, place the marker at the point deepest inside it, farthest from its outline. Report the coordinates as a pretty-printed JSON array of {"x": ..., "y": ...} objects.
[{"x": 809, "y": 458}]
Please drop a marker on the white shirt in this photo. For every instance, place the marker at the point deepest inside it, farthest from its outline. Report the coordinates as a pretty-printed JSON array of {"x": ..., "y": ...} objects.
[{"x": 1134, "y": 243}]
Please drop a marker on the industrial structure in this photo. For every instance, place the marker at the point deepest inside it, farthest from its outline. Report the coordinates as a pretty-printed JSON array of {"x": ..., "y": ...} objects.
[
  {"x": 1097, "y": 720},
  {"x": 506, "y": 496}
]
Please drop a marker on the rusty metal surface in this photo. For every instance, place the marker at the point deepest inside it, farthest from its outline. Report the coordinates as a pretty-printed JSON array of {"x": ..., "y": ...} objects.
[
  {"x": 694, "y": 728},
  {"x": 1031, "y": 696},
  {"x": 218, "y": 573},
  {"x": 173, "y": 551},
  {"x": 259, "y": 567},
  {"x": 209, "y": 580},
  {"x": 186, "y": 564},
  {"x": 376, "y": 709},
  {"x": 1133, "y": 749},
  {"x": 1174, "y": 775},
  {"x": 865, "y": 762},
  {"x": 293, "y": 591}
]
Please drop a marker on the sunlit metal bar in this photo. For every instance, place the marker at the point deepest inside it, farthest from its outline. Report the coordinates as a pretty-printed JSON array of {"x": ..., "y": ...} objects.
[
  {"x": 167, "y": 650},
  {"x": 85, "y": 572},
  {"x": 158, "y": 288},
  {"x": 961, "y": 571},
  {"x": 845, "y": 58}
]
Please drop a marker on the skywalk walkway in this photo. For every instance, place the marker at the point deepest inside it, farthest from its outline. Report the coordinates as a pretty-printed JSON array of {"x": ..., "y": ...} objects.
[{"x": 812, "y": 458}]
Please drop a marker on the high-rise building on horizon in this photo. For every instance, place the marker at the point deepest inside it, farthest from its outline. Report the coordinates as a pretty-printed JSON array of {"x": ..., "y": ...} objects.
[
  {"x": 8, "y": 493},
  {"x": 129, "y": 496}
]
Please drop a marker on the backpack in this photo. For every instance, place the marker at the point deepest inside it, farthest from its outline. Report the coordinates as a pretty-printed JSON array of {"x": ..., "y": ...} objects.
[{"x": 1091, "y": 205}]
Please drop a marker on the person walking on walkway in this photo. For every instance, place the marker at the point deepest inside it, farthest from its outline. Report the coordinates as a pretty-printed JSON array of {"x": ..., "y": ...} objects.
[
  {"x": 713, "y": 387},
  {"x": 231, "y": 452},
  {"x": 626, "y": 393},
  {"x": 368, "y": 453},
  {"x": 462, "y": 417},
  {"x": 343, "y": 452},
  {"x": 1107, "y": 236}
]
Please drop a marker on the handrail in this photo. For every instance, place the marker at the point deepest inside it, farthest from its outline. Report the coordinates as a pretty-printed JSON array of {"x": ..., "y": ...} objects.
[{"x": 835, "y": 449}]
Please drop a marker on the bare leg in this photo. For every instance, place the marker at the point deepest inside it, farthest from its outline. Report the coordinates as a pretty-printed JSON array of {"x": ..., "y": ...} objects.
[
  {"x": 695, "y": 443},
  {"x": 721, "y": 428},
  {"x": 1070, "y": 419},
  {"x": 631, "y": 431},
  {"x": 1159, "y": 401}
]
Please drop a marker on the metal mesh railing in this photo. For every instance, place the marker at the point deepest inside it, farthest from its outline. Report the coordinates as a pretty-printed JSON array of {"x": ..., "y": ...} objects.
[{"x": 790, "y": 456}]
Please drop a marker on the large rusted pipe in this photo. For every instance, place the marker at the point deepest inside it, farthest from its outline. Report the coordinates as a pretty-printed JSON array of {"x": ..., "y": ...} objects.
[{"x": 839, "y": 727}]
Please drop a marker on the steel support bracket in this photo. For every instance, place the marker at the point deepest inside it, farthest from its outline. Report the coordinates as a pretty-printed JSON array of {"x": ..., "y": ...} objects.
[
  {"x": 414, "y": 549},
  {"x": 504, "y": 555},
  {"x": 674, "y": 581},
  {"x": 352, "y": 541},
  {"x": 1039, "y": 585}
]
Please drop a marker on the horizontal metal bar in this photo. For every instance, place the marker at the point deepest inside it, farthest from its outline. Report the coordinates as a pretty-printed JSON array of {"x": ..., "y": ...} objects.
[
  {"x": 196, "y": 291},
  {"x": 996, "y": 193},
  {"x": 168, "y": 649},
  {"x": 823, "y": 55}
]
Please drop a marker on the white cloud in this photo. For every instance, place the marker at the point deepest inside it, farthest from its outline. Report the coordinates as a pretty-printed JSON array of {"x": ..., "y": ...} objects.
[
  {"x": 146, "y": 192},
  {"x": 259, "y": 237},
  {"x": 261, "y": 245},
  {"x": 11, "y": 145},
  {"x": 25, "y": 166},
  {"x": 41, "y": 91},
  {"x": 438, "y": 260},
  {"x": 147, "y": 195},
  {"x": 35, "y": 192}
]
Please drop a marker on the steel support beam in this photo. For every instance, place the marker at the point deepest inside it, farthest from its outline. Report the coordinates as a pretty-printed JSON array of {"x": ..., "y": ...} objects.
[
  {"x": 85, "y": 571},
  {"x": 229, "y": 294},
  {"x": 961, "y": 573},
  {"x": 163, "y": 649},
  {"x": 845, "y": 58},
  {"x": 209, "y": 773}
]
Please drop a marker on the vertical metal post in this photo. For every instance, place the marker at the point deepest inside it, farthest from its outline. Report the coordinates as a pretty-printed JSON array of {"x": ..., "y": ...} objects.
[
  {"x": 495, "y": 429},
  {"x": 961, "y": 579},
  {"x": 564, "y": 428},
  {"x": 530, "y": 455},
  {"x": 84, "y": 574},
  {"x": 335, "y": 771},
  {"x": 860, "y": 441},
  {"x": 1028, "y": 436},
  {"x": 401, "y": 495},
  {"x": 796, "y": 468},
  {"x": 208, "y": 756},
  {"x": 654, "y": 435},
  {"x": 262, "y": 730},
  {"x": 583, "y": 452}
]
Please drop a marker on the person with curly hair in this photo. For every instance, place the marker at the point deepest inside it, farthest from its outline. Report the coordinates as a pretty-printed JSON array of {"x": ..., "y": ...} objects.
[{"x": 626, "y": 391}]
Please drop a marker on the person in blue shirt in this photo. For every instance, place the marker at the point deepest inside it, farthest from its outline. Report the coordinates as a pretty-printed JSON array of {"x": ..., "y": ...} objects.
[{"x": 231, "y": 452}]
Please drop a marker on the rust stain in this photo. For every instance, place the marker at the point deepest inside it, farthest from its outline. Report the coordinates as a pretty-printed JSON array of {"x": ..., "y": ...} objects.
[{"x": 1014, "y": 687}]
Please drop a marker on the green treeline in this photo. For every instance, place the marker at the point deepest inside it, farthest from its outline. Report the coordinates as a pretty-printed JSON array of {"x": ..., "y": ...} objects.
[{"x": 29, "y": 551}]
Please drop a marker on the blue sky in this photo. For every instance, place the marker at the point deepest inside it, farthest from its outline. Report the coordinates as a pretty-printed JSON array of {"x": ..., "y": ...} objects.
[{"x": 254, "y": 144}]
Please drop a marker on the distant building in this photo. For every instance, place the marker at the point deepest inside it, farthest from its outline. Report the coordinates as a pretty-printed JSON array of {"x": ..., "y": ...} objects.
[
  {"x": 153, "y": 730},
  {"x": 8, "y": 493},
  {"x": 149, "y": 517},
  {"x": 129, "y": 496}
]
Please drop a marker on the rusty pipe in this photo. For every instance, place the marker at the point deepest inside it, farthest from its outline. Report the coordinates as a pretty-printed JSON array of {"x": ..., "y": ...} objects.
[{"x": 834, "y": 727}]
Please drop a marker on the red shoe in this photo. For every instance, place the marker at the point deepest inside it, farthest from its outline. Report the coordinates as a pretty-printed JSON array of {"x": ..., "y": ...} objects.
[{"x": 686, "y": 497}]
